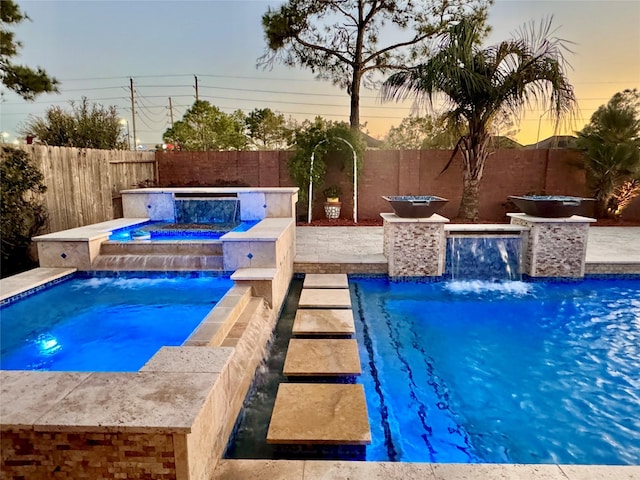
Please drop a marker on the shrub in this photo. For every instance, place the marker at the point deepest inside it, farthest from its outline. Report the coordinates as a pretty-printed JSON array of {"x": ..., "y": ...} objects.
[{"x": 23, "y": 214}]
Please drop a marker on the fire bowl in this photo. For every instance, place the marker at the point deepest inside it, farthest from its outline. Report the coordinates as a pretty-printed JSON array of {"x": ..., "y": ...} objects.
[
  {"x": 410, "y": 206},
  {"x": 553, "y": 206}
]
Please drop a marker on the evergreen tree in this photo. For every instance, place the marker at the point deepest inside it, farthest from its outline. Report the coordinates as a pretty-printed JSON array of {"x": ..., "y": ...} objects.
[{"x": 23, "y": 80}]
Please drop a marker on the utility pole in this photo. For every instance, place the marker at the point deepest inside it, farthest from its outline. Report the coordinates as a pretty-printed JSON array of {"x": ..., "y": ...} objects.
[
  {"x": 133, "y": 116},
  {"x": 197, "y": 97},
  {"x": 171, "y": 111}
]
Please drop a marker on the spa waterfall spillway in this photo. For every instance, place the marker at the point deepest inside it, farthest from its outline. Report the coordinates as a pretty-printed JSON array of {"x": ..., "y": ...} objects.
[{"x": 175, "y": 229}]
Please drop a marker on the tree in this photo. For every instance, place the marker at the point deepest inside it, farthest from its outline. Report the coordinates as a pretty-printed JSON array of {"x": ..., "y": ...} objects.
[
  {"x": 479, "y": 83},
  {"x": 206, "y": 127},
  {"x": 611, "y": 146},
  {"x": 268, "y": 130},
  {"x": 428, "y": 132},
  {"x": 23, "y": 215},
  {"x": 25, "y": 81},
  {"x": 341, "y": 40},
  {"x": 85, "y": 126}
]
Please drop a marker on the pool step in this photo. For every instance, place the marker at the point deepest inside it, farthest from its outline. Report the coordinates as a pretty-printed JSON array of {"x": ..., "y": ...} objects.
[
  {"x": 313, "y": 419},
  {"x": 323, "y": 321},
  {"x": 324, "y": 298},
  {"x": 325, "y": 280},
  {"x": 322, "y": 358},
  {"x": 159, "y": 248},
  {"x": 156, "y": 262},
  {"x": 319, "y": 414}
]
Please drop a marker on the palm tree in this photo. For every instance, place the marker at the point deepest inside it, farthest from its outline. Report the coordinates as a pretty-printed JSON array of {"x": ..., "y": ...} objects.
[
  {"x": 611, "y": 146},
  {"x": 480, "y": 83}
]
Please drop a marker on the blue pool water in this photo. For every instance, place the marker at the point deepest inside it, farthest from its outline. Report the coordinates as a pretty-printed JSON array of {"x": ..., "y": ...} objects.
[
  {"x": 104, "y": 323},
  {"x": 501, "y": 373},
  {"x": 159, "y": 231}
]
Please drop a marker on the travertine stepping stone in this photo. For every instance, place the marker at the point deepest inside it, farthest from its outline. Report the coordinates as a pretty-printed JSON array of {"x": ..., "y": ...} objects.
[
  {"x": 318, "y": 321},
  {"x": 325, "y": 280},
  {"x": 320, "y": 413},
  {"x": 324, "y": 298},
  {"x": 322, "y": 357}
]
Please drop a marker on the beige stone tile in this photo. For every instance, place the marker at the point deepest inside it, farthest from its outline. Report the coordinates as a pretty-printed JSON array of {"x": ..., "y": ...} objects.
[
  {"x": 26, "y": 396},
  {"x": 326, "y": 280},
  {"x": 259, "y": 470},
  {"x": 496, "y": 472},
  {"x": 143, "y": 402},
  {"x": 205, "y": 332},
  {"x": 323, "y": 322},
  {"x": 21, "y": 282},
  {"x": 601, "y": 472},
  {"x": 254, "y": 274},
  {"x": 330, "y": 470},
  {"x": 322, "y": 357},
  {"x": 326, "y": 298},
  {"x": 319, "y": 414},
  {"x": 189, "y": 359}
]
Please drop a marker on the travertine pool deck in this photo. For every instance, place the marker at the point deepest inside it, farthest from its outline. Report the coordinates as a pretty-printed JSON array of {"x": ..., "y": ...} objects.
[
  {"x": 318, "y": 322},
  {"x": 322, "y": 357},
  {"x": 333, "y": 470},
  {"x": 319, "y": 413}
]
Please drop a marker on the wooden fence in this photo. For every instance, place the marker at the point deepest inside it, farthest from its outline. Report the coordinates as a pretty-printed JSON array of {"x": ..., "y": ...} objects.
[{"x": 83, "y": 185}]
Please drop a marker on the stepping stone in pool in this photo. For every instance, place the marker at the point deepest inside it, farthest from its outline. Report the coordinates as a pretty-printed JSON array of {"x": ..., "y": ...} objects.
[
  {"x": 320, "y": 414},
  {"x": 319, "y": 321},
  {"x": 326, "y": 280},
  {"x": 324, "y": 298},
  {"x": 320, "y": 357}
]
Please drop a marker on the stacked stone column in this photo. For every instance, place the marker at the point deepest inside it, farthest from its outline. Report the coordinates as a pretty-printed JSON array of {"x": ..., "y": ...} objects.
[
  {"x": 555, "y": 247},
  {"x": 414, "y": 247}
]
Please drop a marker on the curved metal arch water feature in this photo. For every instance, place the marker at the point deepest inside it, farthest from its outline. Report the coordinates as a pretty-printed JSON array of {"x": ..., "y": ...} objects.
[{"x": 355, "y": 179}]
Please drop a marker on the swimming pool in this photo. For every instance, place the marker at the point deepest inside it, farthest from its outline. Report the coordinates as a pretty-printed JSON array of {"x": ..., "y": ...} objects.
[
  {"x": 501, "y": 373},
  {"x": 104, "y": 323},
  {"x": 479, "y": 372},
  {"x": 156, "y": 230}
]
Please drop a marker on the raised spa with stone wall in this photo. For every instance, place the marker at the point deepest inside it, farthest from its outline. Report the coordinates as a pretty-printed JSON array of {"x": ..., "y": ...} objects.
[{"x": 172, "y": 418}]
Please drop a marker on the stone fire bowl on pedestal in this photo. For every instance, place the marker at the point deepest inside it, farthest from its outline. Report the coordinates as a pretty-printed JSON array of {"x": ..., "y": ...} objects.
[
  {"x": 414, "y": 206},
  {"x": 553, "y": 206}
]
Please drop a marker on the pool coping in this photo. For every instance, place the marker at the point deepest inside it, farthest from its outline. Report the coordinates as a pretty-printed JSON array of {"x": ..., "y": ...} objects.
[{"x": 25, "y": 282}]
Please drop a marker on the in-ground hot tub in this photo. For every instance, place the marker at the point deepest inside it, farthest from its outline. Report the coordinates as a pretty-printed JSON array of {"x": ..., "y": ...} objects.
[
  {"x": 415, "y": 206},
  {"x": 553, "y": 206}
]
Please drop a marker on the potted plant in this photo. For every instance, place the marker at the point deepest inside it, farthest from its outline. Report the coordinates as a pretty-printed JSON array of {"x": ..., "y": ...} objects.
[
  {"x": 332, "y": 194},
  {"x": 332, "y": 205}
]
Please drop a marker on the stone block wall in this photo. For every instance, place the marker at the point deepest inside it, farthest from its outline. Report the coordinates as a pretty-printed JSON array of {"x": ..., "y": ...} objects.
[{"x": 28, "y": 454}]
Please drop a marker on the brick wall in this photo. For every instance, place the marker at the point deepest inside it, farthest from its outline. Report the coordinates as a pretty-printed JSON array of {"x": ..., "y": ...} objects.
[{"x": 393, "y": 172}]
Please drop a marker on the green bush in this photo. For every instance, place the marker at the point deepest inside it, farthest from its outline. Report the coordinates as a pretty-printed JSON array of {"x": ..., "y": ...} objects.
[
  {"x": 23, "y": 214},
  {"x": 327, "y": 139}
]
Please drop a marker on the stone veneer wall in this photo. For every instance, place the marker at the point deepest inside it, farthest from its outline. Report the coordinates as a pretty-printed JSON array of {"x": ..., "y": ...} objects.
[
  {"x": 554, "y": 248},
  {"x": 414, "y": 247},
  {"x": 75, "y": 456}
]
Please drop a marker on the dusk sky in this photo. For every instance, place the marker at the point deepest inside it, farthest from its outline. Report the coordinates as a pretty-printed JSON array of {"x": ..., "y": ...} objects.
[{"x": 94, "y": 47}]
